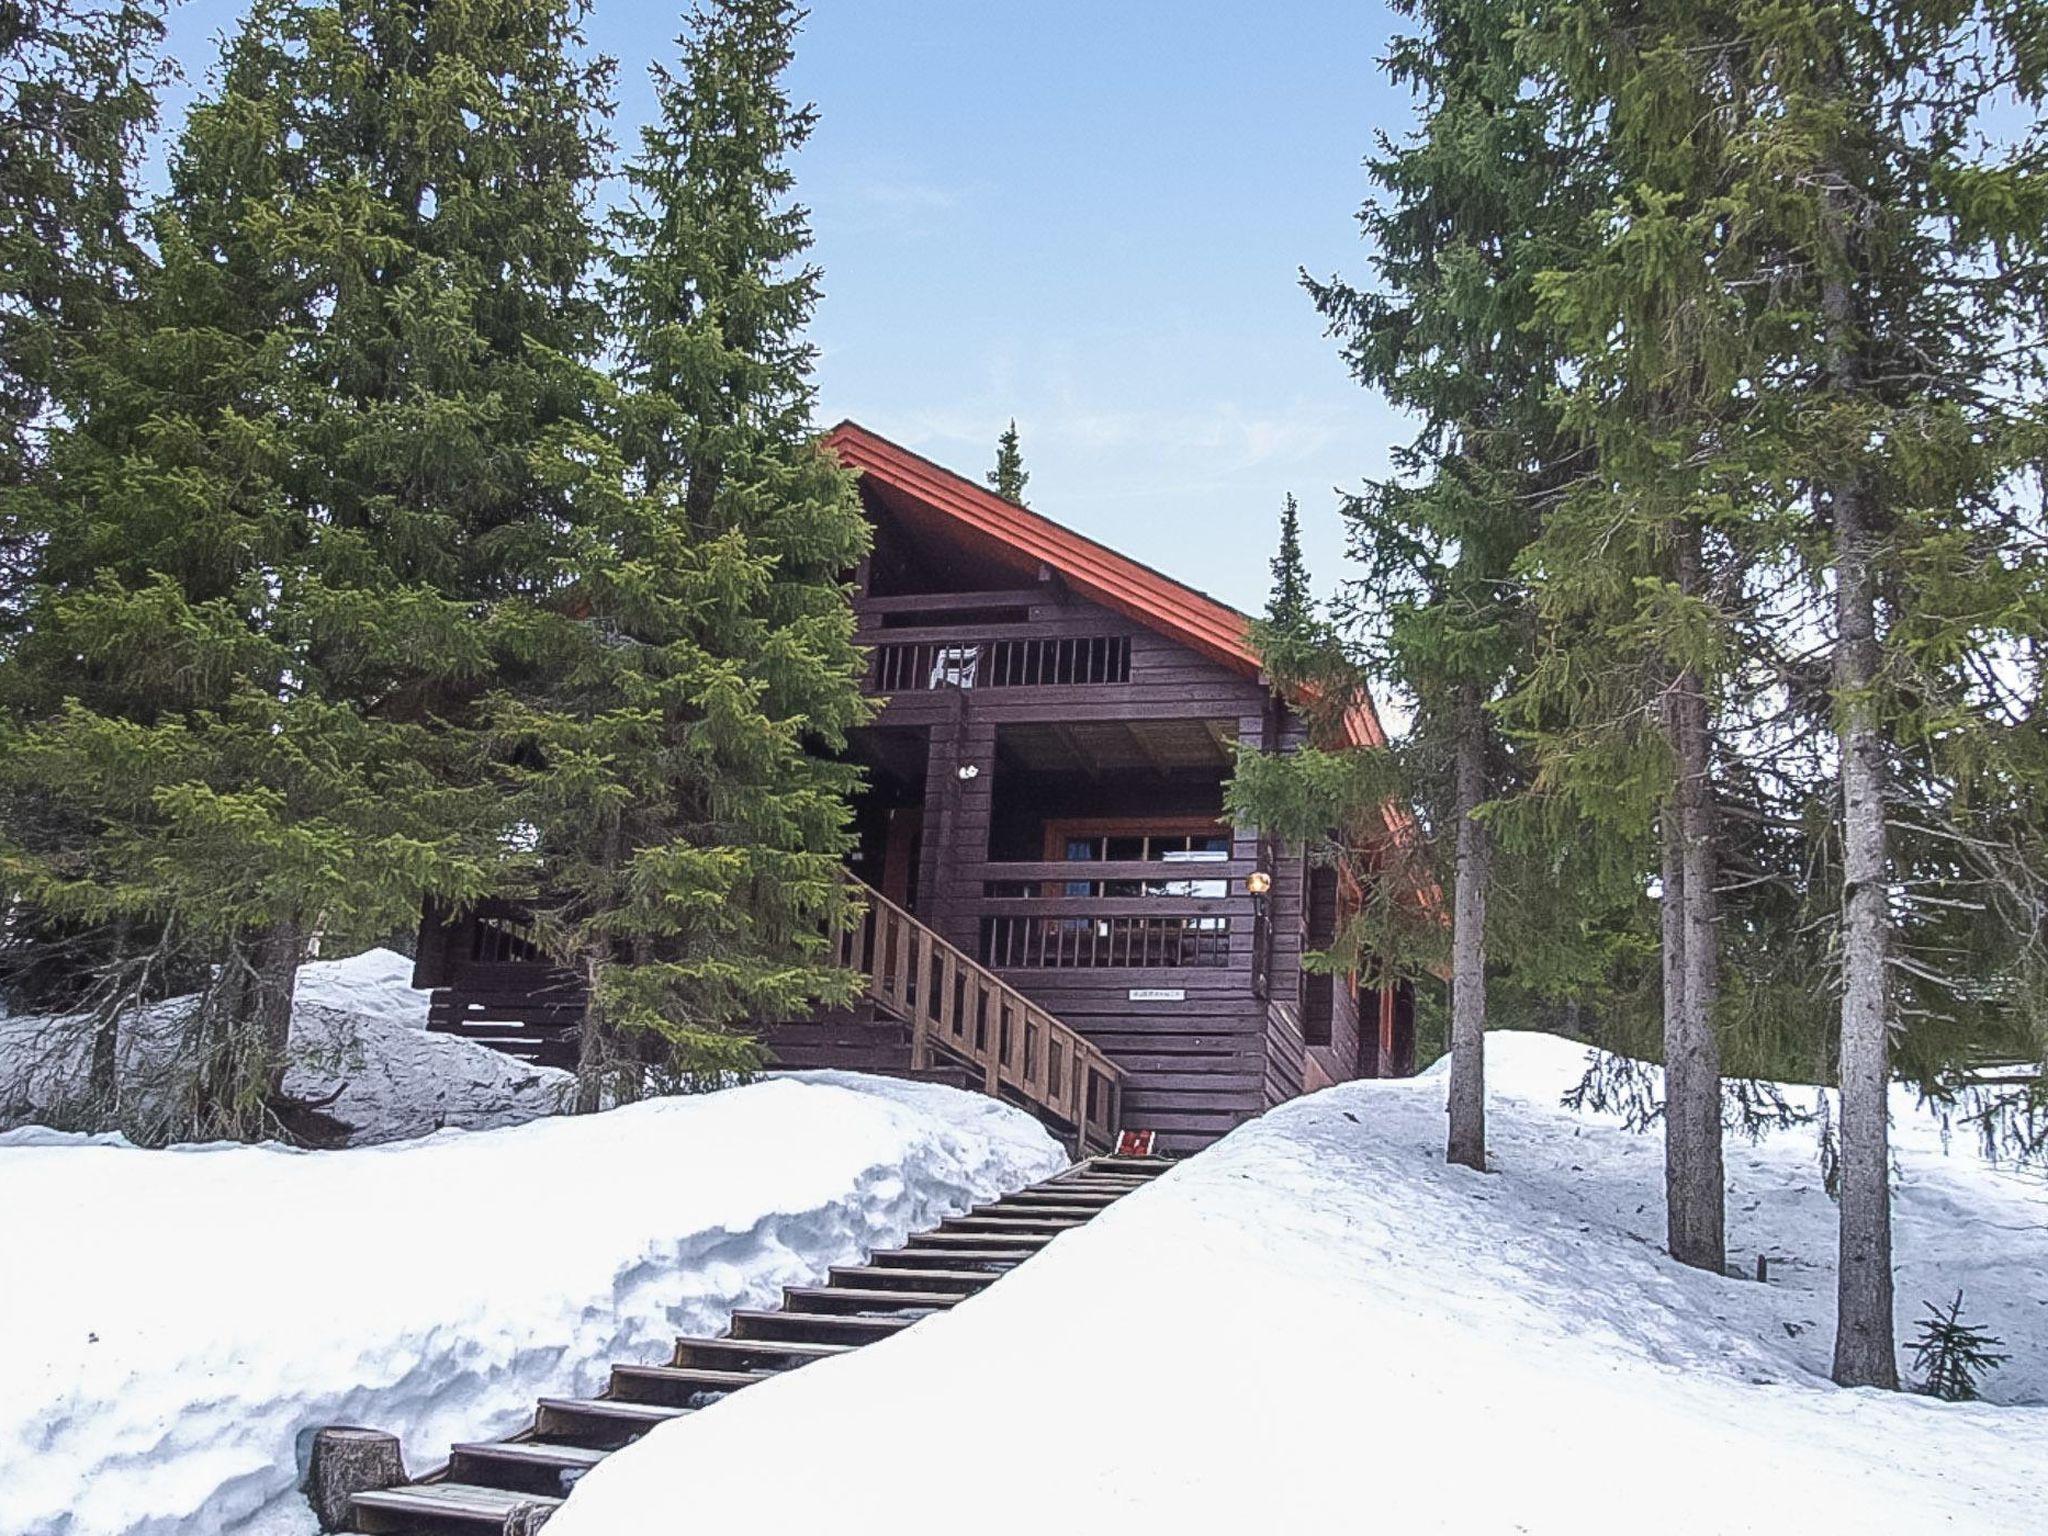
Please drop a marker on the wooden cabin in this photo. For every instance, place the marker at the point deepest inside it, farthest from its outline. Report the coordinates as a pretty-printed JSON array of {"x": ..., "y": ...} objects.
[{"x": 1061, "y": 915}]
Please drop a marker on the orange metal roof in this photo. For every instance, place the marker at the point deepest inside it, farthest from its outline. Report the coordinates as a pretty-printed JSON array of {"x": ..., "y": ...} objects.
[{"x": 1173, "y": 609}]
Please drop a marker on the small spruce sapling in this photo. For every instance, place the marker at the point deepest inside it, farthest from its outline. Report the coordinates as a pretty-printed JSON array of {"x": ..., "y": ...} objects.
[
  {"x": 1009, "y": 477},
  {"x": 1951, "y": 1356}
]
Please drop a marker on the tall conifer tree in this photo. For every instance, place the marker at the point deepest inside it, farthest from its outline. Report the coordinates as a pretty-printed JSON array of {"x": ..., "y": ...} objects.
[
  {"x": 1917, "y": 431},
  {"x": 1639, "y": 568},
  {"x": 78, "y": 84},
  {"x": 78, "y": 81},
  {"x": 677, "y": 758},
  {"x": 1470, "y": 208},
  {"x": 1830, "y": 294},
  {"x": 303, "y": 502}
]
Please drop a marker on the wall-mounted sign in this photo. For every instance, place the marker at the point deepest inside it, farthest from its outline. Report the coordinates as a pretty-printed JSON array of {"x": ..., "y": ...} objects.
[{"x": 1158, "y": 995}]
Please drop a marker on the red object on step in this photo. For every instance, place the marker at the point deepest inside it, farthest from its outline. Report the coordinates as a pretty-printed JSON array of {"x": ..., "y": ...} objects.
[{"x": 1135, "y": 1143}]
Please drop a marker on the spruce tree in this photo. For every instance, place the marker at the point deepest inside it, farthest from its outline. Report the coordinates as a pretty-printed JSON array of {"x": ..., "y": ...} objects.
[
  {"x": 1916, "y": 434},
  {"x": 1834, "y": 291},
  {"x": 78, "y": 82},
  {"x": 1469, "y": 209},
  {"x": 1009, "y": 478},
  {"x": 305, "y": 506},
  {"x": 1641, "y": 569},
  {"x": 1291, "y": 607},
  {"x": 676, "y": 754},
  {"x": 1952, "y": 1356}
]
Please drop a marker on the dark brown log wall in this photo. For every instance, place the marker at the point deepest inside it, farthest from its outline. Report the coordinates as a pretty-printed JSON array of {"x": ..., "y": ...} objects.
[{"x": 1198, "y": 1065}]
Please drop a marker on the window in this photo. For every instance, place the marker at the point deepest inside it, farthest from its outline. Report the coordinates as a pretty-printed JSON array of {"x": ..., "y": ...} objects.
[{"x": 1179, "y": 842}]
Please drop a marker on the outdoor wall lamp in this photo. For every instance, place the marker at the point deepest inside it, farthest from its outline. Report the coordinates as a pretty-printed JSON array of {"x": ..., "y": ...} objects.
[
  {"x": 1258, "y": 882},
  {"x": 968, "y": 771}
]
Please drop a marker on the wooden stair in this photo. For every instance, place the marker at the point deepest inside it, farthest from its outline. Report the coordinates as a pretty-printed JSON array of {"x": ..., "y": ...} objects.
[
  {"x": 488, "y": 1487},
  {"x": 862, "y": 1038},
  {"x": 928, "y": 1011}
]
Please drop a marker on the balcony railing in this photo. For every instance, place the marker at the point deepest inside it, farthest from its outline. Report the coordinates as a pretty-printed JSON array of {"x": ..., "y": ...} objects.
[{"x": 1037, "y": 662}]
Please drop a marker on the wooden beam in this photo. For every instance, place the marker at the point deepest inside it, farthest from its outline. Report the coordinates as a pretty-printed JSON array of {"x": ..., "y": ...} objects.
[
  {"x": 1145, "y": 750},
  {"x": 1219, "y": 733},
  {"x": 1067, "y": 739}
]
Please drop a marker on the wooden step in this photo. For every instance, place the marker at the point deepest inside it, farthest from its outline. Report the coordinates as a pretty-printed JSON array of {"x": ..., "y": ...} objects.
[
  {"x": 884, "y": 1278},
  {"x": 752, "y": 1354},
  {"x": 1123, "y": 1168},
  {"x": 1023, "y": 1226},
  {"x": 607, "y": 1422},
  {"x": 986, "y": 1261},
  {"x": 526, "y": 1466},
  {"x": 816, "y": 1327},
  {"x": 680, "y": 1386},
  {"x": 1073, "y": 1214},
  {"x": 1034, "y": 1198},
  {"x": 1109, "y": 1162},
  {"x": 968, "y": 1241},
  {"x": 821, "y": 1298},
  {"x": 441, "y": 1507},
  {"x": 837, "y": 1032},
  {"x": 531, "y": 1453}
]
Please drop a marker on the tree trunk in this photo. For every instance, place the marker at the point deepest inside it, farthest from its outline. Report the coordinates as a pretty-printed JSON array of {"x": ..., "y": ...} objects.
[
  {"x": 103, "y": 1080},
  {"x": 280, "y": 950},
  {"x": 1865, "y": 1347},
  {"x": 247, "y": 1022},
  {"x": 1695, "y": 1218},
  {"x": 347, "y": 1461},
  {"x": 1866, "y": 1352},
  {"x": 593, "y": 1044},
  {"x": 1468, "y": 943}
]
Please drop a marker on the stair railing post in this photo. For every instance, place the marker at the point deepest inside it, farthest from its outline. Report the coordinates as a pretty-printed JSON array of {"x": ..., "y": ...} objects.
[
  {"x": 988, "y": 1034},
  {"x": 921, "y": 1003}
]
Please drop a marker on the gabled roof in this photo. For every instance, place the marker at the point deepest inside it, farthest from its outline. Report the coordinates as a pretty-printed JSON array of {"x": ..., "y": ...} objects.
[{"x": 1096, "y": 571}]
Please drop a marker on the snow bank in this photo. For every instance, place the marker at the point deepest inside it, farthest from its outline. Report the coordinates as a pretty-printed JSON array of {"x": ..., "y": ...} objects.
[
  {"x": 178, "y": 1322},
  {"x": 359, "y": 1040},
  {"x": 359, "y": 1048},
  {"x": 1319, "y": 1326}
]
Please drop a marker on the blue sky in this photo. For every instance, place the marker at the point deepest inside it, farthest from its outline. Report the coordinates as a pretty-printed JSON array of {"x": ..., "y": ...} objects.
[{"x": 1088, "y": 216}]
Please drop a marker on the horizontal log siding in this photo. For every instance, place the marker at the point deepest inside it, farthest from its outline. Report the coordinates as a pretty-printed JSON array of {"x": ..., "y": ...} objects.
[
  {"x": 1340, "y": 1060},
  {"x": 1197, "y": 1067}
]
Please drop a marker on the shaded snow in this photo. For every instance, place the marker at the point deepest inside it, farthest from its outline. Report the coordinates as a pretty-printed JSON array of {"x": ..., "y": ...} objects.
[
  {"x": 359, "y": 1030},
  {"x": 178, "y": 1322},
  {"x": 377, "y": 982},
  {"x": 1318, "y": 1325},
  {"x": 359, "y": 1048}
]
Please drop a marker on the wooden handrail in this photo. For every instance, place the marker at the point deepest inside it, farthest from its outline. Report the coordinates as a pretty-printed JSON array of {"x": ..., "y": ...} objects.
[
  {"x": 958, "y": 1009},
  {"x": 1061, "y": 870}
]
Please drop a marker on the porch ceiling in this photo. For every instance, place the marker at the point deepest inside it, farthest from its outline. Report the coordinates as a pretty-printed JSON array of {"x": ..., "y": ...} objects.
[{"x": 1118, "y": 746}]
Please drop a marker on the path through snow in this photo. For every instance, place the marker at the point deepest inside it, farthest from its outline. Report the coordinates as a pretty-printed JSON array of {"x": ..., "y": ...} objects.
[
  {"x": 177, "y": 1323},
  {"x": 1319, "y": 1326}
]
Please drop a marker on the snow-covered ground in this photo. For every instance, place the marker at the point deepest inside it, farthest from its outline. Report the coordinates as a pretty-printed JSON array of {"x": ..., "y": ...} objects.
[
  {"x": 175, "y": 1324},
  {"x": 1319, "y": 1326},
  {"x": 359, "y": 1048}
]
